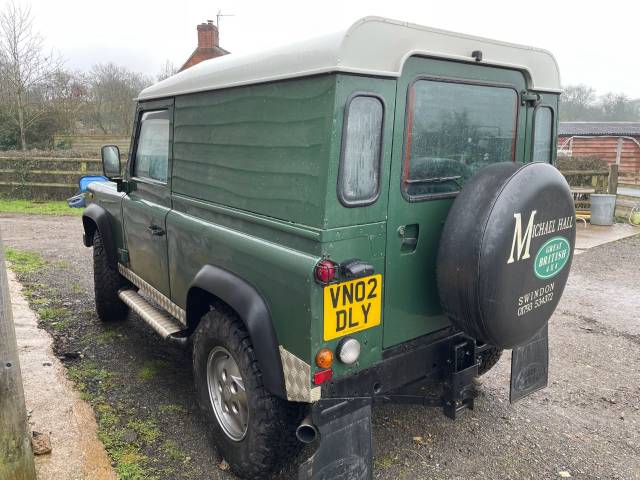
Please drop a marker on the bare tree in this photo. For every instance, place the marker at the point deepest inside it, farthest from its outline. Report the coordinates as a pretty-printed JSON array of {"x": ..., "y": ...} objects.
[
  {"x": 67, "y": 96},
  {"x": 618, "y": 107},
  {"x": 167, "y": 70},
  {"x": 25, "y": 67},
  {"x": 112, "y": 91},
  {"x": 578, "y": 103}
]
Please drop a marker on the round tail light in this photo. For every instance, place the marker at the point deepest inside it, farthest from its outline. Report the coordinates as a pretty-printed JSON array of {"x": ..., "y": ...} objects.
[{"x": 325, "y": 271}]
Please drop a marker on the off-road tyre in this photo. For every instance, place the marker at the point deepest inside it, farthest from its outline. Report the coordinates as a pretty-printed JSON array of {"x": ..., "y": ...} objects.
[
  {"x": 106, "y": 284},
  {"x": 488, "y": 359},
  {"x": 270, "y": 438}
]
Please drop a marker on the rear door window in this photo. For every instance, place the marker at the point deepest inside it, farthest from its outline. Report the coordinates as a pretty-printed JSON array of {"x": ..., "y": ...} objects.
[
  {"x": 542, "y": 134},
  {"x": 152, "y": 152},
  {"x": 454, "y": 129}
]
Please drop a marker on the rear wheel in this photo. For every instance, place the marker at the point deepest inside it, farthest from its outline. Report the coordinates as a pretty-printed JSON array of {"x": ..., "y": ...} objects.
[
  {"x": 107, "y": 282},
  {"x": 253, "y": 430}
]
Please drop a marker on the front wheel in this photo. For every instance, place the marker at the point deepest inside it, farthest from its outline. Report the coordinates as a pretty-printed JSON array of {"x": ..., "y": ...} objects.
[
  {"x": 253, "y": 429},
  {"x": 107, "y": 282}
]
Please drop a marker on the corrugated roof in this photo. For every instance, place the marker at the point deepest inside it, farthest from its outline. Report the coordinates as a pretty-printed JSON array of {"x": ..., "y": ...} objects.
[
  {"x": 625, "y": 129},
  {"x": 371, "y": 46}
]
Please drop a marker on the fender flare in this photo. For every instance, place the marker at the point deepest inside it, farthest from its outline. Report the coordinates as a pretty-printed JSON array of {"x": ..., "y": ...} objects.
[
  {"x": 253, "y": 312},
  {"x": 96, "y": 217}
]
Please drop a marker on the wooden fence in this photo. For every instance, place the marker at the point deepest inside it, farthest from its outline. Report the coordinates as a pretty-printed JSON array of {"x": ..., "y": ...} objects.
[
  {"x": 90, "y": 143},
  {"x": 601, "y": 181},
  {"x": 44, "y": 178}
]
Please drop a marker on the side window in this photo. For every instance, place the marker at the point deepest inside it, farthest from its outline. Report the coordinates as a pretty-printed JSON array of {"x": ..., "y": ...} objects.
[
  {"x": 542, "y": 134},
  {"x": 152, "y": 152},
  {"x": 359, "y": 177},
  {"x": 454, "y": 129}
]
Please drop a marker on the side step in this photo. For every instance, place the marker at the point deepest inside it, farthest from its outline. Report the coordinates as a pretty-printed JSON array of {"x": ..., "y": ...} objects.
[{"x": 164, "y": 324}]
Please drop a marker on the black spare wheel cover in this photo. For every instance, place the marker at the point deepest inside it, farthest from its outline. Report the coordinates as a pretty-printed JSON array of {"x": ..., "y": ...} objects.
[{"x": 505, "y": 252}]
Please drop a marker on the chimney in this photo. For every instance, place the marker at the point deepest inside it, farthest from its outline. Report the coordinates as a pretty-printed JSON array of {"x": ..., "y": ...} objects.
[
  {"x": 208, "y": 35},
  {"x": 208, "y": 45}
]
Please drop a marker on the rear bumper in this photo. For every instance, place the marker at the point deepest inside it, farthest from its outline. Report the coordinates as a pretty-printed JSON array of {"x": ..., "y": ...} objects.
[{"x": 423, "y": 359}]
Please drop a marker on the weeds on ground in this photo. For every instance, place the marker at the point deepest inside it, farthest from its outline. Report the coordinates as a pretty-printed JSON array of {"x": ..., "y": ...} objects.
[
  {"x": 29, "y": 207},
  {"x": 172, "y": 409},
  {"x": 62, "y": 264},
  {"x": 147, "y": 430},
  {"x": 51, "y": 313},
  {"x": 106, "y": 337},
  {"x": 123, "y": 438},
  {"x": 173, "y": 452},
  {"x": 84, "y": 374},
  {"x": 23, "y": 262},
  {"x": 151, "y": 369}
]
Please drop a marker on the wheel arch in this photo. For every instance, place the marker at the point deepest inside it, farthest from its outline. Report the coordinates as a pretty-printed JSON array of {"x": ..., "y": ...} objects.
[
  {"x": 213, "y": 284},
  {"x": 95, "y": 218}
]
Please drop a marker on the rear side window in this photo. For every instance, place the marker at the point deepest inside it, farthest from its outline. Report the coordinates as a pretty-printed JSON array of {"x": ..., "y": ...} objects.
[
  {"x": 453, "y": 130},
  {"x": 152, "y": 152},
  {"x": 359, "y": 176},
  {"x": 542, "y": 134}
]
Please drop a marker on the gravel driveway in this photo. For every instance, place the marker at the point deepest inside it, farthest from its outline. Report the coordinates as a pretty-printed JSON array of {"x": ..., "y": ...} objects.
[{"x": 586, "y": 424}]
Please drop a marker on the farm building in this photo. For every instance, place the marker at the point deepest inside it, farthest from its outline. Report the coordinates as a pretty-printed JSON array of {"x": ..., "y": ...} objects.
[{"x": 616, "y": 142}]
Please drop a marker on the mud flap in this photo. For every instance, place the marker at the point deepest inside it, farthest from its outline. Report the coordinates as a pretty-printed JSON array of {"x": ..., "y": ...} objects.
[
  {"x": 344, "y": 452},
  {"x": 530, "y": 366}
]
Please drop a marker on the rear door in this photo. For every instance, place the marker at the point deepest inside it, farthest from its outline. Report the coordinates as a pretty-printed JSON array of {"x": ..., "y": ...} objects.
[
  {"x": 451, "y": 120},
  {"x": 146, "y": 206}
]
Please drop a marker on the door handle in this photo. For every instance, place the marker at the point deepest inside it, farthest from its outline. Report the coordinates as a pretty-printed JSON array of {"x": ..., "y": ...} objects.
[
  {"x": 156, "y": 230},
  {"x": 409, "y": 237}
]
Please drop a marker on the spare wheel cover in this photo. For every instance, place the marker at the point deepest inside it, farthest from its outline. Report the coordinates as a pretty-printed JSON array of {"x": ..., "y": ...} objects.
[{"x": 506, "y": 251}]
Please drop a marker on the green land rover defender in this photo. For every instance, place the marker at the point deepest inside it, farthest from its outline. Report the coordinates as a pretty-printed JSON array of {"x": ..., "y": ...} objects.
[{"x": 332, "y": 224}]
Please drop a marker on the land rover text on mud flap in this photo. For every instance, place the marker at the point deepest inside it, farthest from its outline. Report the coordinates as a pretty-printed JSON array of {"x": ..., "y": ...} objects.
[{"x": 331, "y": 224}]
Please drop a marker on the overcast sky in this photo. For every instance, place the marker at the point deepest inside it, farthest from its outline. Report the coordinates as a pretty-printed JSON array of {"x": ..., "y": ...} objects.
[{"x": 594, "y": 42}]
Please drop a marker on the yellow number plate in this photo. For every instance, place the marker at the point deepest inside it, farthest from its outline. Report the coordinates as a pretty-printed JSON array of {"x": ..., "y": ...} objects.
[{"x": 352, "y": 306}]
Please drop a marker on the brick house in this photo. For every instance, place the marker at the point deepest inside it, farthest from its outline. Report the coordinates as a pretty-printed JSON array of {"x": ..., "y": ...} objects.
[
  {"x": 616, "y": 142},
  {"x": 208, "y": 45}
]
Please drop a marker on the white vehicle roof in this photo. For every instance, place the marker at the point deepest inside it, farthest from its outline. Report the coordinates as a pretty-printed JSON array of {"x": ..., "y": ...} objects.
[{"x": 371, "y": 46}]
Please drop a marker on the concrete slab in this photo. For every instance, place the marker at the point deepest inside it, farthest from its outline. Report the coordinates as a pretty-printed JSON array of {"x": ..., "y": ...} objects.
[
  {"x": 590, "y": 236},
  {"x": 55, "y": 407}
]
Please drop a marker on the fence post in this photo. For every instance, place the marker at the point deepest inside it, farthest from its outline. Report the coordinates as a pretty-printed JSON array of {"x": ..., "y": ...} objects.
[
  {"x": 613, "y": 179},
  {"x": 16, "y": 456}
]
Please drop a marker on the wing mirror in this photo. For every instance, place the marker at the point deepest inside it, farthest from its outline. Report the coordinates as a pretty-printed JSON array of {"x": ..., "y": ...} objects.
[{"x": 111, "y": 162}]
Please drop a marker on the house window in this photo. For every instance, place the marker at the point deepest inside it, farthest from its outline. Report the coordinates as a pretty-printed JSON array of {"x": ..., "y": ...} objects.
[
  {"x": 359, "y": 177},
  {"x": 152, "y": 153},
  {"x": 542, "y": 134},
  {"x": 453, "y": 130}
]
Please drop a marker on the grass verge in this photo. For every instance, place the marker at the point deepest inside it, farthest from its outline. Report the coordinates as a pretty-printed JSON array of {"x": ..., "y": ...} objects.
[
  {"x": 30, "y": 207},
  {"x": 23, "y": 261}
]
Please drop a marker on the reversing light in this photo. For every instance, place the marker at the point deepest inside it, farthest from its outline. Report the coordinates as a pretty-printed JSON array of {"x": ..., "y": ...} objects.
[
  {"x": 322, "y": 376},
  {"x": 325, "y": 271},
  {"x": 324, "y": 358},
  {"x": 348, "y": 350}
]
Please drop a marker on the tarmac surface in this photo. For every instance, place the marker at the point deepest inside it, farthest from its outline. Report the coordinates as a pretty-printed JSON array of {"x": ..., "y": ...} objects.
[{"x": 586, "y": 424}]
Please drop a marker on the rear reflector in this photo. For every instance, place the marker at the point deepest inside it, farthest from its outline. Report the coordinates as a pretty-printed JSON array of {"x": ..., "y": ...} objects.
[{"x": 323, "y": 376}]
